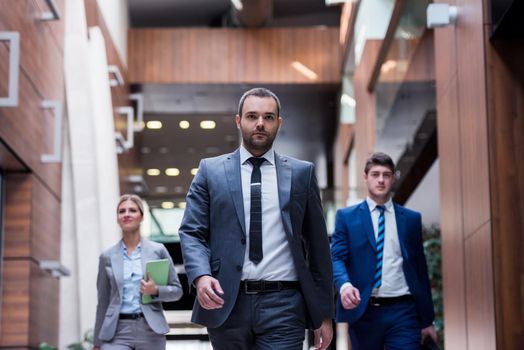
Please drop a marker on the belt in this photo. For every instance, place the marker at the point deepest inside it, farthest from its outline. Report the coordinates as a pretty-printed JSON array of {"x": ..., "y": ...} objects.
[
  {"x": 130, "y": 316},
  {"x": 375, "y": 301},
  {"x": 256, "y": 287}
]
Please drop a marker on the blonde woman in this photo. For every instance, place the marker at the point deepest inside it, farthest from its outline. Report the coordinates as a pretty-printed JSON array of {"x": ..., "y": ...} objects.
[{"x": 122, "y": 321}]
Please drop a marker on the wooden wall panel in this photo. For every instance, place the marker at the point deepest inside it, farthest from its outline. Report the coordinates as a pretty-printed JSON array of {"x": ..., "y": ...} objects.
[
  {"x": 506, "y": 133},
  {"x": 45, "y": 223},
  {"x": 44, "y": 292},
  {"x": 465, "y": 183},
  {"x": 31, "y": 234},
  {"x": 365, "y": 110},
  {"x": 479, "y": 289},
  {"x": 230, "y": 56},
  {"x": 17, "y": 220},
  {"x": 473, "y": 117},
  {"x": 28, "y": 129},
  {"x": 41, "y": 57},
  {"x": 452, "y": 244},
  {"x": 341, "y": 171},
  {"x": 14, "y": 330}
]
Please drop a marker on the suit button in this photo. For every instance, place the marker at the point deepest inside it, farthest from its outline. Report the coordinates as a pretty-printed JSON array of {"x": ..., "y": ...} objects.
[
  {"x": 239, "y": 268},
  {"x": 243, "y": 241}
]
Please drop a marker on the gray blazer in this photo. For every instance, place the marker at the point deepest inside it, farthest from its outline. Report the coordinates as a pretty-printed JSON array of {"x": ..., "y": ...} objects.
[
  {"x": 213, "y": 231},
  {"x": 110, "y": 285}
]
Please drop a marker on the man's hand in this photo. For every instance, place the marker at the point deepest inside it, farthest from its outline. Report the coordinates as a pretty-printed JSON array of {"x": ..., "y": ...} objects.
[
  {"x": 148, "y": 287},
  {"x": 428, "y": 332},
  {"x": 208, "y": 290},
  {"x": 323, "y": 335},
  {"x": 349, "y": 297}
]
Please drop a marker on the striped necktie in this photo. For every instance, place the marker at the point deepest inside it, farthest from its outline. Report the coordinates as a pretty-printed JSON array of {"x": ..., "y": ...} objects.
[
  {"x": 255, "y": 216},
  {"x": 377, "y": 280}
]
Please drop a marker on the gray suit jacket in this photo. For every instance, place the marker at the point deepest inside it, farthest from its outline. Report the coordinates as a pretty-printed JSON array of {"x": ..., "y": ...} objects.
[
  {"x": 110, "y": 284},
  {"x": 213, "y": 229}
]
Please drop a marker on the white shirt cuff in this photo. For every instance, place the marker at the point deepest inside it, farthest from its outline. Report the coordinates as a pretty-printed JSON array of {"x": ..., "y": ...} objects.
[{"x": 345, "y": 285}]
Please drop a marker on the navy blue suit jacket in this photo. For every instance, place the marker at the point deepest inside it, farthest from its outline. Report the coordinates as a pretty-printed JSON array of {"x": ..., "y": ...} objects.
[{"x": 353, "y": 252}]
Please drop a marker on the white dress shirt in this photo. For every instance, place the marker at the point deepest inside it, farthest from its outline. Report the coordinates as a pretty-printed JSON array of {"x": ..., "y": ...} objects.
[
  {"x": 393, "y": 279},
  {"x": 277, "y": 262}
]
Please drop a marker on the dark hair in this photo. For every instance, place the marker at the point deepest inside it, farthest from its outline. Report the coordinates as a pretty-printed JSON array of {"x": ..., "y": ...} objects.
[
  {"x": 258, "y": 92},
  {"x": 379, "y": 158}
]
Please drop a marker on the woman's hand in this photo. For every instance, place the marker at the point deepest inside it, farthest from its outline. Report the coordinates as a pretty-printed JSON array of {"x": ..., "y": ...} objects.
[{"x": 149, "y": 287}]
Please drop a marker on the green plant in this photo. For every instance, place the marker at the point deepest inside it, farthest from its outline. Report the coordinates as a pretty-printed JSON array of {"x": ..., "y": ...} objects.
[
  {"x": 432, "y": 245},
  {"x": 85, "y": 344},
  {"x": 45, "y": 346}
]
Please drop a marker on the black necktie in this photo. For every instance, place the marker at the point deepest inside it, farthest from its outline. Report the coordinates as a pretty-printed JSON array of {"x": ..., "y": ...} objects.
[{"x": 255, "y": 216}]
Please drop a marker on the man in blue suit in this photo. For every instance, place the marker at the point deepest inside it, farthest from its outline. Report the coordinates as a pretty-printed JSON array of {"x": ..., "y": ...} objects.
[
  {"x": 379, "y": 268},
  {"x": 254, "y": 241}
]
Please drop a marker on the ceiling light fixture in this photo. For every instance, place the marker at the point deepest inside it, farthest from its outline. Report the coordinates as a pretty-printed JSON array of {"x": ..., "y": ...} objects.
[
  {"x": 304, "y": 70},
  {"x": 348, "y": 100},
  {"x": 168, "y": 205},
  {"x": 208, "y": 124},
  {"x": 153, "y": 172},
  {"x": 194, "y": 171},
  {"x": 172, "y": 171},
  {"x": 237, "y": 4},
  {"x": 154, "y": 124},
  {"x": 182, "y": 205},
  {"x": 184, "y": 124},
  {"x": 336, "y": 2}
]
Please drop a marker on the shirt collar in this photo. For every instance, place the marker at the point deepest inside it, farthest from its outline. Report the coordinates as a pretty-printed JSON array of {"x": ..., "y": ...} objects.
[
  {"x": 124, "y": 248},
  {"x": 245, "y": 155},
  {"x": 372, "y": 204}
]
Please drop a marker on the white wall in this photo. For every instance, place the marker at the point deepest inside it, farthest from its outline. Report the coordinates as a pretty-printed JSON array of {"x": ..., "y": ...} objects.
[
  {"x": 90, "y": 185},
  {"x": 116, "y": 17}
]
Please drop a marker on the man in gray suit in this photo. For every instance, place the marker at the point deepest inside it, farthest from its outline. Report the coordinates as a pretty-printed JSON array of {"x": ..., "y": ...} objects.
[{"x": 254, "y": 241}]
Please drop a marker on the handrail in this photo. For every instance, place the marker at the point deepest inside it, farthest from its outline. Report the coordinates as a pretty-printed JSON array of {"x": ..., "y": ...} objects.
[
  {"x": 56, "y": 156},
  {"x": 119, "y": 79},
  {"x": 14, "y": 63},
  {"x": 129, "y": 142},
  {"x": 53, "y": 14}
]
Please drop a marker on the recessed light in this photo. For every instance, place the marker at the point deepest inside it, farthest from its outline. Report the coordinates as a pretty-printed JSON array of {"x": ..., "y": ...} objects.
[
  {"x": 145, "y": 150},
  {"x": 182, "y": 205},
  {"x": 208, "y": 124},
  {"x": 163, "y": 150},
  {"x": 194, "y": 171},
  {"x": 168, "y": 205},
  {"x": 154, "y": 124},
  {"x": 153, "y": 172},
  {"x": 179, "y": 189},
  {"x": 172, "y": 172},
  {"x": 161, "y": 189},
  {"x": 184, "y": 124}
]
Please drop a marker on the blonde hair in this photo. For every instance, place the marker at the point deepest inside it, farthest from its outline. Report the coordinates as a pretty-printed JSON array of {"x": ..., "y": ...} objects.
[{"x": 133, "y": 198}]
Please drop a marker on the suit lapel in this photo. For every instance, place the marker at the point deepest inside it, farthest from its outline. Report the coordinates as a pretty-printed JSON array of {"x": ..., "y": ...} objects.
[
  {"x": 284, "y": 173},
  {"x": 365, "y": 220},
  {"x": 234, "y": 181},
  {"x": 117, "y": 264},
  {"x": 400, "y": 217}
]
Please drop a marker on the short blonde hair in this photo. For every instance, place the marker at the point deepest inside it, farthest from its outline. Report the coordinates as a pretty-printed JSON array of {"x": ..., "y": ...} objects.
[{"x": 133, "y": 198}]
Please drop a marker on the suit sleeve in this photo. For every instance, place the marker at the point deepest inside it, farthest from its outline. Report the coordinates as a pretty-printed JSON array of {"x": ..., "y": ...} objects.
[
  {"x": 194, "y": 230},
  {"x": 173, "y": 290},
  {"x": 318, "y": 249},
  {"x": 340, "y": 251},
  {"x": 103, "y": 289},
  {"x": 427, "y": 312}
]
